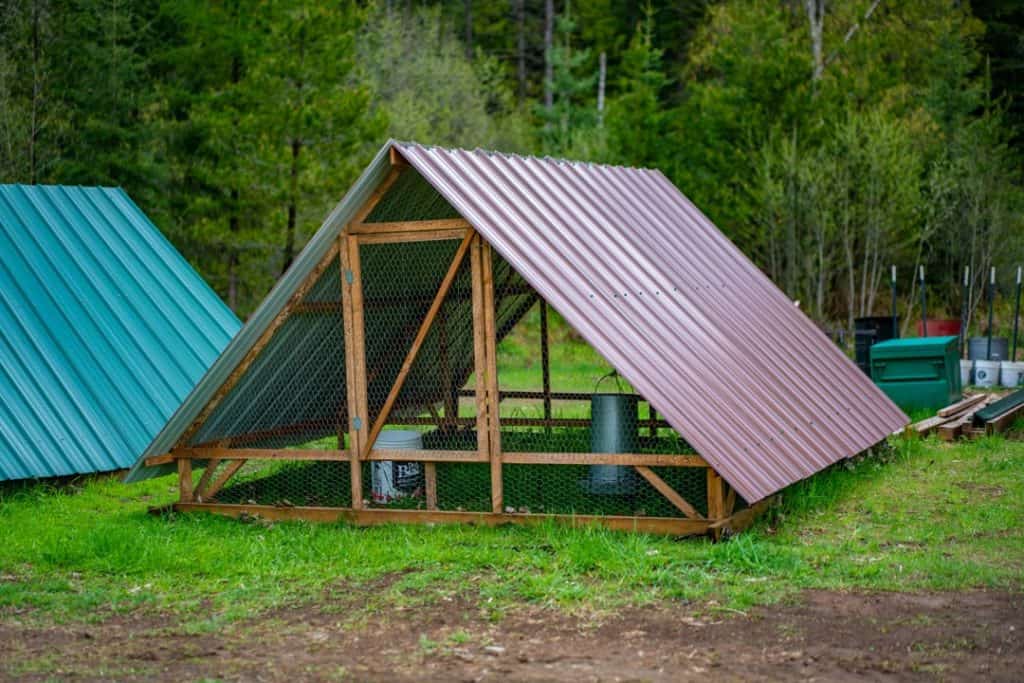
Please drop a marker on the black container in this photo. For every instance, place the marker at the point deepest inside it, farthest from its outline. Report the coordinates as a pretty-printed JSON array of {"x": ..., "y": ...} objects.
[{"x": 866, "y": 333}]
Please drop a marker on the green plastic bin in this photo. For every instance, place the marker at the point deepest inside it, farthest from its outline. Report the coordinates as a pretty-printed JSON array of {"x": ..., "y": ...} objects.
[{"x": 920, "y": 372}]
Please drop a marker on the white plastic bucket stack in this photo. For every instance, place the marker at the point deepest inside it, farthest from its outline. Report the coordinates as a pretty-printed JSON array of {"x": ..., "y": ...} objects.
[
  {"x": 394, "y": 480},
  {"x": 1012, "y": 374},
  {"x": 965, "y": 372},
  {"x": 986, "y": 373}
]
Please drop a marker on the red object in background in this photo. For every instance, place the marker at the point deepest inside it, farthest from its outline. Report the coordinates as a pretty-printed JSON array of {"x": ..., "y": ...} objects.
[{"x": 948, "y": 327}]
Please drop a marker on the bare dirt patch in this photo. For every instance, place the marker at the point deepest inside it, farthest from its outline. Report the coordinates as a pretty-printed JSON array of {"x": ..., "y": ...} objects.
[{"x": 826, "y": 636}]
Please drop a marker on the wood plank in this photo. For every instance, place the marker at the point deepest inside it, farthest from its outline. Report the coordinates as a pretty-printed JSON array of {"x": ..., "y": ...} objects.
[
  {"x": 204, "y": 481},
  {"x": 730, "y": 502},
  {"x": 259, "y": 454},
  {"x": 254, "y": 351},
  {"x": 185, "y": 480},
  {"x": 417, "y": 455},
  {"x": 491, "y": 376},
  {"x": 416, "y": 236},
  {"x": 157, "y": 460},
  {"x": 742, "y": 520},
  {"x": 672, "y": 526},
  {"x": 545, "y": 361},
  {"x": 409, "y": 226},
  {"x": 355, "y": 419},
  {"x": 667, "y": 491},
  {"x": 359, "y": 347},
  {"x": 479, "y": 351},
  {"x": 953, "y": 428},
  {"x": 715, "y": 495},
  {"x": 417, "y": 342},
  {"x": 396, "y": 157},
  {"x": 430, "y": 484},
  {"x": 1001, "y": 423},
  {"x": 229, "y": 471},
  {"x": 961, "y": 406},
  {"x": 625, "y": 459}
]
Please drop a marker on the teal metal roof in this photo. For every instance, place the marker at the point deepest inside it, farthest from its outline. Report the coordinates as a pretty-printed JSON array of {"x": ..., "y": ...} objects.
[{"x": 104, "y": 330}]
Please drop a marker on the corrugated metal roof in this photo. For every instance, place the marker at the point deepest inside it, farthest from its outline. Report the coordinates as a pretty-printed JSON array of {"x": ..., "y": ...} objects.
[
  {"x": 105, "y": 330},
  {"x": 738, "y": 370},
  {"x": 653, "y": 286}
]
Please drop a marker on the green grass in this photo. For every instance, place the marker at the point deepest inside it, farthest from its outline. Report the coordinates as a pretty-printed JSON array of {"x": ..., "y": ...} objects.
[{"x": 922, "y": 516}]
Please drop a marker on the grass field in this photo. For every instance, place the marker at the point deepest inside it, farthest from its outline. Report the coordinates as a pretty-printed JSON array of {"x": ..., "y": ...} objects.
[{"x": 915, "y": 516}]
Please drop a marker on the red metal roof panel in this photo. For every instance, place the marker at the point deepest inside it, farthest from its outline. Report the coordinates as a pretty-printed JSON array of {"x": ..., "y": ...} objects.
[{"x": 729, "y": 361}]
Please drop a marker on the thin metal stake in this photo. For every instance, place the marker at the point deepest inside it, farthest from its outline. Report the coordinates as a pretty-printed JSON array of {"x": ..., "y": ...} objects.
[
  {"x": 895, "y": 325},
  {"x": 991, "y": 298},
  {"x": 965, "y": 295},
  {"x": 924, "y": 306},
  {"x": 1016, "y": 318}
]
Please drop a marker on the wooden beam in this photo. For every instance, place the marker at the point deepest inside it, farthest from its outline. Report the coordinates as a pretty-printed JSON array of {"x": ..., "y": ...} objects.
[
  {"x": 672, "y": 526},
  {"x": 1001, "y": 423},
  {"x": 204, "y": 481},
  {"x": 415, "y": 236},
  {"x": 716, "y": 495},
  {"x": 730, "y": 502},
  {"x": 479, "y": 351},
  {"x": 417, "y": 342},
  {"x": 625, "y": 459},
  {"x": 409, "y": 226},
  {"x": 355, "y": 418},
  {"x": 157, "y": 460},
  {"x": 741, "y": 520},
  {"x": 254, "y": 351},
  {"x": 545, "y": 360},
  {"x": 215, "y": 453},
  {"x": 960, "y": 406},
  {"x": 491, "y": 376},
  {"x": 185, "y": 480},
  {"x": 229, "y": 471},
  {"x": 430, "y": 484},
  {"x": 393, "y": 175},
  {"x": 664, "y": 489},
  {"x": 423, "y": 455},
  {"x": 396, "y": 158}
]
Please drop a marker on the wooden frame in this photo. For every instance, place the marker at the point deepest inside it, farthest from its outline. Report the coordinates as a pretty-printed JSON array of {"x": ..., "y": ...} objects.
[{"x": 224, "y": 460}]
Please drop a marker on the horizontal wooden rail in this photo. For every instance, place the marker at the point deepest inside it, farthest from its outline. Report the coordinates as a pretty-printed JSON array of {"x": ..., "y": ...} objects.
[
  {"x": 386, "y": 227},
  {"x": 416, "y": 455},
  {"x": 655, "y": 525},
  {"x": 631, "y": 459},
  {"x": 412, "y": 236}
]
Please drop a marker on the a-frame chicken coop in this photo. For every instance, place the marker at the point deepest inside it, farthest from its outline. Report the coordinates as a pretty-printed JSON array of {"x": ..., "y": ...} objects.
[{"x": 441, "y": 352}]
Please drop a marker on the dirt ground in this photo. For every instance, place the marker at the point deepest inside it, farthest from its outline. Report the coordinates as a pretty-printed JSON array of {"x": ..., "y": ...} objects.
[{"x": 825, "y": 636}]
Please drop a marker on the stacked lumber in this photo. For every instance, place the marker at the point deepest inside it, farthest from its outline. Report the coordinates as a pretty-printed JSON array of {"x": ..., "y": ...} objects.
[
  {"x": 999, "y": 415},
  {"x": 954, "y": 420}
]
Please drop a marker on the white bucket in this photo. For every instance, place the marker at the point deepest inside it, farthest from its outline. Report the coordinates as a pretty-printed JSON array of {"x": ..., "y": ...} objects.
[
  {"x": 986, "y": 373},
  {"x": 1011, "y": 374},
  {"x": 965, "y": 372},
  {"x": 394, "y": 480}
]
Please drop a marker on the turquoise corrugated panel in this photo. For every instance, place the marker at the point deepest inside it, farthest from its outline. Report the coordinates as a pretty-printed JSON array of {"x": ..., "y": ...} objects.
[{"x": 104, "y": 330}]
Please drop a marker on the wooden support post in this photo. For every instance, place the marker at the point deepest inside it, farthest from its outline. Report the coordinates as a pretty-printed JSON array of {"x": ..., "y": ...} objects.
[
  {"x": 185, "y": 480},
  {"x": 716, "y": 496},
  {"x": 664, "y": 489},
  {"x": 451, "y": 398},
  {"x": 479, "y": 350},
  {"x": 356, "y": 419},
  {"x": 730, "y": 502},
  {"x": 421, "y": 336},
  {"x": 493, "y": 396},
  {"x": 545, "y": 359},
  {"x": 229, "y": 471},
  {"x": 430, "y": 484},
  {"x": 204, "y": 481}
]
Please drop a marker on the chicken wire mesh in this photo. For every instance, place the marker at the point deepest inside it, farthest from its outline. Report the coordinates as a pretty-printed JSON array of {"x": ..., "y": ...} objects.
[{"x": 555, "y": 397}]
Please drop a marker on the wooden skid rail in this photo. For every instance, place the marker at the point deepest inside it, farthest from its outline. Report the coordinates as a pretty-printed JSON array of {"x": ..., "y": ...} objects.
[{"x": 654, "y": 525}]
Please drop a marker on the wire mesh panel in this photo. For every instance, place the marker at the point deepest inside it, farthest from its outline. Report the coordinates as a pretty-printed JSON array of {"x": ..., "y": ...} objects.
[
  {"x": 289, "y": 483},
  {"x": 419, "y": 355},
  {"x": 559, "y": 396},
  {"x": 294, "y": 391}
]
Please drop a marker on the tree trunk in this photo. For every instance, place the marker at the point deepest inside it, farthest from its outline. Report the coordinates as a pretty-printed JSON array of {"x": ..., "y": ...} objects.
[
  {"x": 33, "y": 136},
  {"x": 469, "y": 29},
  {"x": 816, "y": 17},
  {"x": 233, "y": 253},
  {"x": 521, "y": 49},
  {"x": 601, "y": 75},
  {"x": 549, "y": 65},
  {"x": 293, "y": 199}
]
